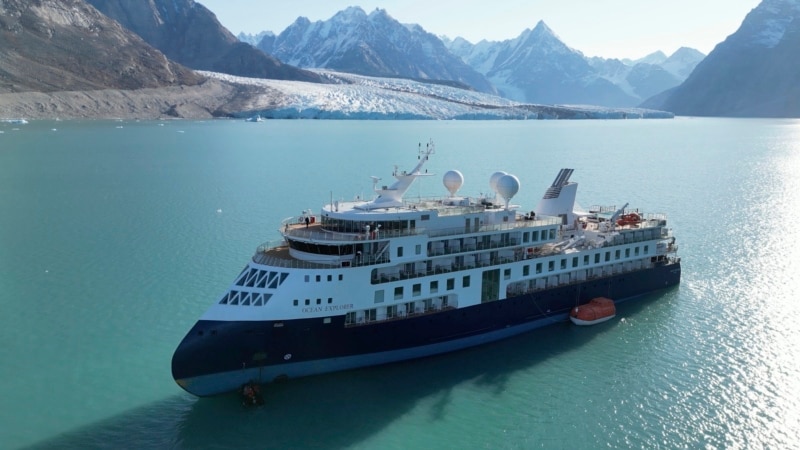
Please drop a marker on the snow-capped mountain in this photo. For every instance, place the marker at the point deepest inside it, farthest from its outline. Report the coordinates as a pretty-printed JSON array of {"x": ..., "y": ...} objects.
[
  {"x": 753, "y": 73},
  {"x": 254, "y": 39},
  {"x": 371, "y": 44},
  {"x": 538, "y": 67},
  {"x": 682, "y": 62}
]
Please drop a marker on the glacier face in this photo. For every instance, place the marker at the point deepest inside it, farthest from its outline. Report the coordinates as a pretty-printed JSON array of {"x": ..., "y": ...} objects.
[{"x": 350, "y": 96}]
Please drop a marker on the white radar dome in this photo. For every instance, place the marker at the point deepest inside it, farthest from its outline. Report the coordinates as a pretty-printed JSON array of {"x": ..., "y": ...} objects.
[
  {"x": 494, "y": 178},
  {"x": 507, "y": 187},
  {"x": 453, "y": 180}
]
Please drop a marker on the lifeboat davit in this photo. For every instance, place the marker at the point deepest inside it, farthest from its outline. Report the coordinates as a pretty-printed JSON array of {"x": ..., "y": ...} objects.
[{"x": 597, "y": 310}]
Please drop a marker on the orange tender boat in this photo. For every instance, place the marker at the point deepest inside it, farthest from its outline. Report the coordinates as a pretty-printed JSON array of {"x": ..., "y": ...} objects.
[{"x": 597, "y": 310}]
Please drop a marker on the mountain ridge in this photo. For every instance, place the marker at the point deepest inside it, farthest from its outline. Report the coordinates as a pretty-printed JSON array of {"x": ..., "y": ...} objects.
[
  {"x": 190, "y": 34},
  {"x": 752, "y": 73},
  {"x": 373, "y": 44}
]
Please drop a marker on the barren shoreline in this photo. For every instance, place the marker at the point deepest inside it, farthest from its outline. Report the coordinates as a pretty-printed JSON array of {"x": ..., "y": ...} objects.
[{"x": 207, "y": 100}]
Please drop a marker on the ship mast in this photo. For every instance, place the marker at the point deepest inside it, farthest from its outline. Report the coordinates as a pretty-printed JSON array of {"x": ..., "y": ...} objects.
[{"x": 392, "y": 196}]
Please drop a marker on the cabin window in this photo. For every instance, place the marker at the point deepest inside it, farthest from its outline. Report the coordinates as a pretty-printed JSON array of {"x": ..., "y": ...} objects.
[
  {"x": 646, "y": 249},
  {"x": 544, "y": 235},
  {"x": 399, "y": 252},
  {"x": 538, "y": 267},
  {"x": 616, "y": 254},
  {"x": 597, "y": 258},
  {"x": 425, "y": 217},
  {"x": 636, "y": 251},
  {"x": 308, "y": 302},
  {"x": 575, "y": 262},
  {"x": 551, "y": 266},
  {"x": 330, "y": 277},
  {"x": 391, "y": 311},
  {"x": 371, "y": 314},
  {"x": 319, "y": 278},
  {"x": 330, "y": 300},
  {"x": 627, "y": 253},
  {"x": 319, "y": 301},
  {"x": 465, "y": 281},
  {"x": 350, "y": 318},
  {"x": 340, "y": 277},
  {"x": 418, "y": 249},
  {"x": 416, "y": 290},
  {"x": 564, "y": 263},
  {"x": 379, "y": 296},
  {"x": 451, "y": 284},
  {"x": 608, "y": 256},
  {"x": 507, "y": 274},
  {"x": 434, "y": 287},
  {"x": 526, "y": 270},
  {"x": 526, "y": 237},
  {"x": 308, "y": 278},
  {"x": 552, "y": 233},
  {"x": 295, "y": 302},
  {"x": 398, "y": 292},
  {"x": 585, "y": 260}
]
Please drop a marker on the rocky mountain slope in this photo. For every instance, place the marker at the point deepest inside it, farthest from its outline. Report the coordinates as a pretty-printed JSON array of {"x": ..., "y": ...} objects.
[
  {"x": 188, "y": 33},
  {"x": 753, "y": 73},
  {"x": 63, "y": 45}
]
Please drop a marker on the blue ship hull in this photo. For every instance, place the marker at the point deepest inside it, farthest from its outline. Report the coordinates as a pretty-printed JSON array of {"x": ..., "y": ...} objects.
[{"x": 217, "y": 357}]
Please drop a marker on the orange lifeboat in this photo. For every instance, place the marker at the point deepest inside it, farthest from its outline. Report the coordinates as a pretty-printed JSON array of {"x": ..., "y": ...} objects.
[
  {"x": 629, "y": 219},
  {"x": 597, "y": 310}
]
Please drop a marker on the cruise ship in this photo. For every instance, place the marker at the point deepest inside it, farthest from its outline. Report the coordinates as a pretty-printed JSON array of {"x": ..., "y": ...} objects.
[{"x": 391, "y": 278}]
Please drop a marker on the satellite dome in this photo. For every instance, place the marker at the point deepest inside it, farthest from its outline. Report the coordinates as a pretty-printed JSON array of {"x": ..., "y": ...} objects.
[
  {"x": 507, "y": 187},
  {"x": 453, "y": 180},
  {"x": 493, "y": 180}
]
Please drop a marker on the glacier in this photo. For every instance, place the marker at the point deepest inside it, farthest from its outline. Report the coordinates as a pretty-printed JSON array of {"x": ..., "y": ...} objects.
[{"x": 350, "y": 96}]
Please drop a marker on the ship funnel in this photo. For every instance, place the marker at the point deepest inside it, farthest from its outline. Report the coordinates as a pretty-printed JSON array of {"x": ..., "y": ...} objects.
[{"x": 559, "y": 199}]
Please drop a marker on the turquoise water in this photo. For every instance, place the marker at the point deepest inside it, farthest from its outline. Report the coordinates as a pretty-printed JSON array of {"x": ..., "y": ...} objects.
[{"x": 116, "y": 236}]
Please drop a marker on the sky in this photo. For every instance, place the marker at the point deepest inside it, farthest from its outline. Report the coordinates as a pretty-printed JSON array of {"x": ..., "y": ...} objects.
[{"x": 607, "y": 28}]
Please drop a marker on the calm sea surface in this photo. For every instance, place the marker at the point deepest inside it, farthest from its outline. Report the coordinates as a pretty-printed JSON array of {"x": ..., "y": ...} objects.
[{"x": 116, "y": 236}]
